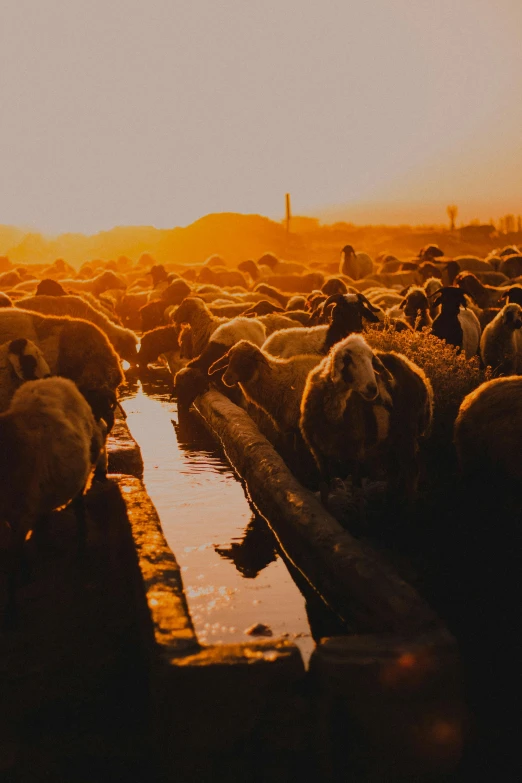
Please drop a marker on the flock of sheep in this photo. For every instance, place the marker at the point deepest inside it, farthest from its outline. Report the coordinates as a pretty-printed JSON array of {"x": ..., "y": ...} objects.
[{"x": 295, "y": 345}]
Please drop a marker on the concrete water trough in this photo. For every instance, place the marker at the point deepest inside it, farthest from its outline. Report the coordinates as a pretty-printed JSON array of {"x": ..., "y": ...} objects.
[{"x": 107, "y": 680}]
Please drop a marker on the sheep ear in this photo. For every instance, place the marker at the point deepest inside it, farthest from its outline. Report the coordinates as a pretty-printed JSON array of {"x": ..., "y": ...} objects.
[
  {"x": 380, "y": 369},
  {"x": 503, "y": 296},
  {"x": 364, "y": 300},
  {"x": 436, "y": 298},
  {"x": 402, "y": 304},
  {"x": 219, "y": 365},
  {"x": 369, "y": 314},
  {"x": 333, "y": 299}
]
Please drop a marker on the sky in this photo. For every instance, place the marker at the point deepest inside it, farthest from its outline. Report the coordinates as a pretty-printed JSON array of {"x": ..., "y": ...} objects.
[{"x": 156, "y": 112}]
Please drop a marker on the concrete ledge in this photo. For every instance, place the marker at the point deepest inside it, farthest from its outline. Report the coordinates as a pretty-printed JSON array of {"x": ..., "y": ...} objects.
[
  {"x": 123, "y": 452},
  {"x": 216, "y": 705},
  {"x": 173, "y": 629},
  {"x": 351, "y": 577}
]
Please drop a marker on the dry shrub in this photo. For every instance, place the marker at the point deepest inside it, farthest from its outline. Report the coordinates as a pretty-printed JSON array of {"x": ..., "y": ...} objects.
[{"x": 451, "y": 374}]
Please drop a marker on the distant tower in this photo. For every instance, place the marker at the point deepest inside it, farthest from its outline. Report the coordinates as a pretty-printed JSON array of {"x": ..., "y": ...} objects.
[{"x": 288, "y": 213}]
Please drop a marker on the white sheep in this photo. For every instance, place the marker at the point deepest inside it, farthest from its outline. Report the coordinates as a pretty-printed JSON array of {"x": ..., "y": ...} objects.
[
  {"x": 346, "y": 316},
  {"x": 50, "y": 446},
  {"x": 501, "y": 342},
  {"x": 20, "y": 360},
  {"x": 361, "y": 407},
  {"x": 225, "y": 336}
]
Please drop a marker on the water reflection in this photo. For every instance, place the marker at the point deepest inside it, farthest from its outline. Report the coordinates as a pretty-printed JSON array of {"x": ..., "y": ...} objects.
[
  {"x": 254, "y": 551},
  {"x": 231, "y": 570}
]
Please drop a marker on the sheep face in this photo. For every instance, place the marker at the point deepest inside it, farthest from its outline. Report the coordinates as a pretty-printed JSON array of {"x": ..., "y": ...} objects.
[
  {"x": 414, "y": 302},
  {"x": 187, "y": 310},
  {"x": 126, "y": 347},
  {"x": 512, "y": 316},
  {"x": 27, "y": 360},
  {"x": 513, "y": 294},
  {"x": 241, "y": 364},
  {"x": 450, "y": 298},
  {"x": 354, "y": 366}
]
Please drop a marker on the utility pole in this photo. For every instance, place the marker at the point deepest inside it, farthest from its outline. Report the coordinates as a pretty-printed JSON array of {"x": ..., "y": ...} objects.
[{"x": 288, "y": 213}]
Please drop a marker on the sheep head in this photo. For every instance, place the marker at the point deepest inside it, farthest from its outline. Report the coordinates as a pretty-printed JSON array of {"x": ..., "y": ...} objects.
[
  {"x": 352, "y": 367},
  {"x": 27, "y": 360},
  {"x": 240, "y": 364},
  {"x": 511, "y": 315},
  {"x": 450, "y": 298}
]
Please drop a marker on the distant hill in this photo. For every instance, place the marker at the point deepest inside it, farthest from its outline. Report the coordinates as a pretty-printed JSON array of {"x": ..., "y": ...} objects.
[{"x": 236, "y": 237}]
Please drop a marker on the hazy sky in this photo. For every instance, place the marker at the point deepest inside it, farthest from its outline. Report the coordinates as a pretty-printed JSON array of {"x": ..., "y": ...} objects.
[{"x": 159, "y": 111}]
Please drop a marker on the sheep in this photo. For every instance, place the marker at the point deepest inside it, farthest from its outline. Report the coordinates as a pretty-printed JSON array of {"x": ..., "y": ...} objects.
[
  {"x": 123, "y": 340},
  {"x": 51, "y": 444},
  {"x": 334, "y": 285},
  {"x": 346, "y": 317},
  {"x": 488, "y": 435},
  {"x": 59, "y": 268},
  {"x": 455, "y": 323},
  {"x": 73, "y": 348},
  {"x": 360, "y": 406},
  {"x": 158, "y": 274},
  {"x": 501, "y": 342},
  {"x": 263, "y": 307},
  {"x": 300, "y": 316},
  {"x": 296, "y": 303},
  {"x": 355, "y": 265},
  {"x": 272, "y": 293},
  {"x": 483, "y": 295},
  {"x": 250, "y": 268},
  {"x": 397, "y": 279},
  {"x": 10, "y": 279},
  {"x": 223, "y": 277},
  {"x": 511, "y": 266},
  {"x": 102, "y": 282},
  {"x": 513, "y": 294},
  {"x": 49, "y": 287},
  {"x": 196, "y": 313},
  {"x": 279, "y": 267},
  {"x": 189, "y": 383},
  {"x": 472, "y": 264},
  {"x": 383, "y": 297},
  {"x": 225, "y": 336},
  {"x": 162, "y": 340},
  {"x": 20, "y": 360},
  {"x": 274, "y": 385},
  {"x": 128, "y": 308},
  {"x": 275, "y": 322},
  {"x": 429, "y": 252},
  {"x": 296, "y": 283},
  {"x": 152, "y": 315},
  {"x": 228, "y": 310},
  {"x": 175, "y": 292},
  {"x": 416, "y": 308}
]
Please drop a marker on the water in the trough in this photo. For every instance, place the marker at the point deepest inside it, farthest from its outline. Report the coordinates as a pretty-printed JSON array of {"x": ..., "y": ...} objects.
[{"x": 233, "y": 575}]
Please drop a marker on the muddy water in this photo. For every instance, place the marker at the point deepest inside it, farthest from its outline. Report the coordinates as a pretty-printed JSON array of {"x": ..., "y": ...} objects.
[{"x": 233, "y": 574}]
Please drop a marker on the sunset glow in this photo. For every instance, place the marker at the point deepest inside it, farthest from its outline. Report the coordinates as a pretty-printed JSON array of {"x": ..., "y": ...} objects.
[{"x": 158, "y": 113}]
